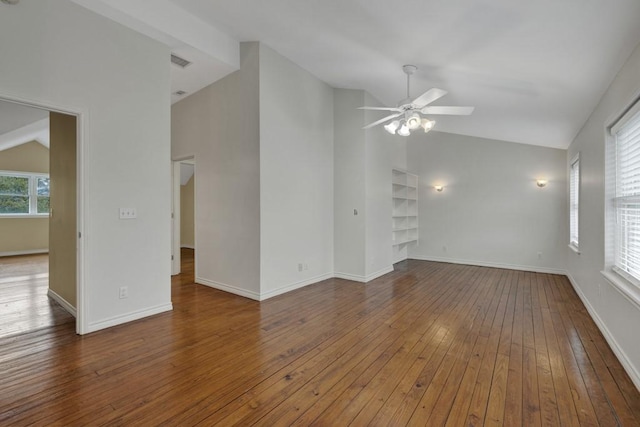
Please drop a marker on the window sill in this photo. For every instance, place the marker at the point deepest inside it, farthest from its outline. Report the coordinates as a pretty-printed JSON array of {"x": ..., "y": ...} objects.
[
  {"x": 625, "y": 287},
  {"x": 574, "y": 248},
  {"x": 24, "y": 216}
]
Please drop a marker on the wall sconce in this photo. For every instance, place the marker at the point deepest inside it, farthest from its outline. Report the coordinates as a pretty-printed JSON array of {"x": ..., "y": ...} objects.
[
  {"x": 438, "y": 188},
  {"x": 541, "y": 183}
]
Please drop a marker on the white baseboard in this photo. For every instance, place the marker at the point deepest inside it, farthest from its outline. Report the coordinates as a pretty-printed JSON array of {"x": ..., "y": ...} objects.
[
  {"x": 27, "y": 252},
  {"x": 228, "y": 288},
  {"x": 364, "y": 279},
  {"x": 492, "y": 264},
  {"x": 63, "y": 302},
  {"x": 129, "y": 317},
  {"x": 620, "y": 354},
  {"x": 294, "y": 286},
  {"x": 188, "y": 247}
]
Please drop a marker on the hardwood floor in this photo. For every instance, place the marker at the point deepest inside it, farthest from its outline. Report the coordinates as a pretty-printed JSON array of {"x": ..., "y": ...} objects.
[
  {"x": 429, "y": 344},
  {"x": 24, "y": 304}
]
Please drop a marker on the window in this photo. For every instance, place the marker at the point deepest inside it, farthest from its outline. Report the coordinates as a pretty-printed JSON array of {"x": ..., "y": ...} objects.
[
  {"x": 626, "y": 203},
  {"x": 574, "y": 202},
  {"x": 23, "y": 194}
]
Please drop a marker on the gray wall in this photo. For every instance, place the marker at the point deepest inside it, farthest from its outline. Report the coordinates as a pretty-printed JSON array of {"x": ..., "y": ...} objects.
[
  {"x": 617, "y": 314},
  {"x": 490, "y": 212},
  {"x": 220, "y": 127},
  {"x": 59, "y": 54},
  {"x": 296, "y": 175}
]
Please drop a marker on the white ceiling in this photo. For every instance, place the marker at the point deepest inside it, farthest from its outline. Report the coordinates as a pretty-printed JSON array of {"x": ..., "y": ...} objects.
[
  {"x": 15, "y": 116},
  {"x": 20, "y": 124},
  {"x": 533, "y": 70}
]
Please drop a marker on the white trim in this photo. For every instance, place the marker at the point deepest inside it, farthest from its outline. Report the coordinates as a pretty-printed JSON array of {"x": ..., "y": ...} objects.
[
  {"x": 27, "y": 252},
  {"x": 63, "y": 302},
  {"x": 493, "y": 265},
  {"x": 293, "y": 286},
  {"x": 188, "y": 247},
  {"x": 363, "y": 279},
  {"x": 618, "y": 351},
  {"x": 82, "y": 129},
  {"x": 129, "y": 317},
  {"x": 632, "y": 110},
  {"x": 228, "y": 288},
  {"x": 24, "y": 216},
  {"x": 626, "y": 288}
]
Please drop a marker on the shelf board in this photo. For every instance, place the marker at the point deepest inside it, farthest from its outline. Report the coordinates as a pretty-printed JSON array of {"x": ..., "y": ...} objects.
[{"x": 404, "y": 242}]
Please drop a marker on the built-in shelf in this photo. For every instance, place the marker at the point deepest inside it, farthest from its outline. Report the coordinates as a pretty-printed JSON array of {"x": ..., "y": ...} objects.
[{"x": 404, "y": 217}]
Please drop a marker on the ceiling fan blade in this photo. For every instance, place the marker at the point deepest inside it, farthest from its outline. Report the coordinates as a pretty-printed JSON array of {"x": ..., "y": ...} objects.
[
  {"x": 429, "y": 96},
  {"x": 453, "y": 111},
  {"x": 393, "y": 116},
  {"x": 380, "y": 108}
]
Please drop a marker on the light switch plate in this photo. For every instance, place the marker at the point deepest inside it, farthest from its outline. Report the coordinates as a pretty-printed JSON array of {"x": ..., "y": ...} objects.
[{"x": 128, "y": 213}]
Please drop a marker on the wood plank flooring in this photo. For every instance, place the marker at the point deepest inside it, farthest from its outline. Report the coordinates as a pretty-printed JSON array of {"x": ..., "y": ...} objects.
[
  {"x": 429, "y": 344},
  {"x": 24, "y": 304}
]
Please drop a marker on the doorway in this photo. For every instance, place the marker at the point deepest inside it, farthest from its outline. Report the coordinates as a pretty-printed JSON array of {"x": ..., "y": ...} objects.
[
  {"x": 39, "y": 205},
  {"x": 183, "y": 213}
]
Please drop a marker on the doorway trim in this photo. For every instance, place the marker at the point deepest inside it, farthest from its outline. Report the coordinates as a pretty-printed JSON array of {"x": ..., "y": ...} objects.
[
  {"x": 176, "y": 214},
  {"x": 81, "y": 115}
]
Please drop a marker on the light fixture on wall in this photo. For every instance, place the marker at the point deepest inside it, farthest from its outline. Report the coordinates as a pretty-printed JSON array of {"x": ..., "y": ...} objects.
[
  {"x": 407, "y": 116},
  {"x": 541, "y": 183},
  {"x": 438, "y": 188}
]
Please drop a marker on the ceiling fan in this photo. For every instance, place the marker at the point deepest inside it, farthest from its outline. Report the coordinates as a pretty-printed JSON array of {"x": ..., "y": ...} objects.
[{"x": 407, "y": 115}]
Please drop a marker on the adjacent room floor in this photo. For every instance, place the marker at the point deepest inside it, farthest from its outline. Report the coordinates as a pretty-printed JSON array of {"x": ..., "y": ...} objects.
[
  {"x": 24, "y": 304},
  {"x": 428, "y": 344}
]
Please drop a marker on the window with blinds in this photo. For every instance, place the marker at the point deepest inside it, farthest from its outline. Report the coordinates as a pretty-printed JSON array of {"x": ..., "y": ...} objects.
[
  {"x": 626, "y": 135},
  {"x": 574, "y": 201}
]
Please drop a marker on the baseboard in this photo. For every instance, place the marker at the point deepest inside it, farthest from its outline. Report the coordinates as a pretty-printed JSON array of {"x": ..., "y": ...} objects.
[
  {"x": 492, "y": 264},
  {"x": 294, "y": 286},
  {"x": 363, "y": 279},
  {"x": 188, "y": 247},
  {"x": 620, "y": 354},
  {"x": 27, "y": 252},
  {"x": 63, "y": 302},
  {"x": 228, "y": 288},
  {"x": 129, "y": 317}
]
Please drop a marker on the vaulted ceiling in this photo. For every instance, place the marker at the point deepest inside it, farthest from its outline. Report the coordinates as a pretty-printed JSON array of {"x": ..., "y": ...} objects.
[{"x": 533, "y": 70}]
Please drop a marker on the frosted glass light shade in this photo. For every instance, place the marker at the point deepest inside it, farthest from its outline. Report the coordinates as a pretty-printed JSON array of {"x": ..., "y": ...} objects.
[{"x": 392, "y": 127}]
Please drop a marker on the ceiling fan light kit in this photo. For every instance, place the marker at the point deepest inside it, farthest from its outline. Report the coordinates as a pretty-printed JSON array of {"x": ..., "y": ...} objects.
[{"x": 407, "y": 115}]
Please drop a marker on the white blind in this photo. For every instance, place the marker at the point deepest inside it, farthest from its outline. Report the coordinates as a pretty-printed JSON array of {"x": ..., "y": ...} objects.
[
  {"x": 627, "y": 200},
  {"x": 574, "y": 201}
]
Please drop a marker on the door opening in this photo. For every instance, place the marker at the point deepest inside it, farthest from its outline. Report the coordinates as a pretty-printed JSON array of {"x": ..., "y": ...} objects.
[{"x": 183, "y": 213}]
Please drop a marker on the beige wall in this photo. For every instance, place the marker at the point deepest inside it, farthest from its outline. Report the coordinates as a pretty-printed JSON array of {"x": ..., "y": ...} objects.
[
  {"x": 62, "y": 233},
  {"x": 187, "y": 237},
  {"x": 23, "y": 235}
]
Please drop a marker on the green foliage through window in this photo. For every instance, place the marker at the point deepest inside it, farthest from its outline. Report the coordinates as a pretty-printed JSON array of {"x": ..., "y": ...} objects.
[{"x": 17, "y": 192}]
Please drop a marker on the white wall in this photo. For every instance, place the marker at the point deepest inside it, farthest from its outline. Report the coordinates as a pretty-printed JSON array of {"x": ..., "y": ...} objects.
[
  {"x": 219, "y": 126},
  {"x": 296, "y": 175},
  {"x": 616, "y": 315},
  {"x": 383, "y": 152},
  {"x": 57, "y": 53},
  {"x": 363, "y": 163},
  {"x": 490, "y": 212},
  {"x": 349, "y": 184}
]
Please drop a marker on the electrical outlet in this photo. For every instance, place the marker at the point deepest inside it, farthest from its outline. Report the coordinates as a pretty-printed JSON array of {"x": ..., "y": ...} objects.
[
  {"x": 123, "y": 292},
  {"x": 444, "y": 249},
  {"x": 539, "y": 255},
  {"x": 300, "y": 266},
  {"x": 305, "y": 266},
  {"x": 128, "y": 213}
]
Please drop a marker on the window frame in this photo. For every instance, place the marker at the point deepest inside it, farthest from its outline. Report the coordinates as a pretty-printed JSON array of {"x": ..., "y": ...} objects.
[
  {"x": 33, "y": 194},
  {"x": 574, "y": 205},
  {"x": 625, "y": 282}
]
